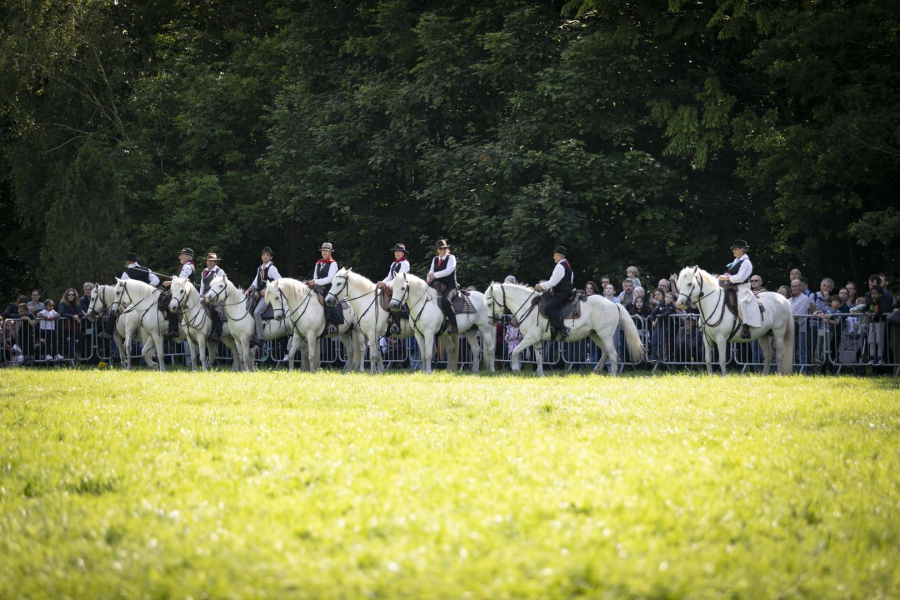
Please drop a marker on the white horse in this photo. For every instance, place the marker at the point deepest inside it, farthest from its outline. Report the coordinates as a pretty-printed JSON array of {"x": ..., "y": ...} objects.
[
  {"x": 196, "y": 324},
  {"x": 364, "y": 296},
  {"x": 241, "y": 325},
  {"x": 720, "y": 326},
  {"x": 427, "y": 317},
  {"x": 102, "y": 297},
  {"x": 294, "y": 302},
  {"x": 599, "y": 320},
  {"x": 133, "y": 296}
]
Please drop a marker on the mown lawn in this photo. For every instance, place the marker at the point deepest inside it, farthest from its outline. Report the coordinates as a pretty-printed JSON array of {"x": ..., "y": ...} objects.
[{"x": 278, "y": 485}]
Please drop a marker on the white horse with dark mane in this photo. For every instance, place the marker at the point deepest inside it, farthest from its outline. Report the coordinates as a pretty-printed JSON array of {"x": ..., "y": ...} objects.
[
  {"x": 720, "y": 326},
  {"x": 366, "y": 299},
  {"x": 598, "y": 320},
  {"x": 133, "y": 296},
  {"x": 295, "y": 303},
  {"x": 102, "y": 298},
  {"x": 196, "y": 325},
  {"x": 427, "y": 318},
  {"x": 241, "y": 326}
]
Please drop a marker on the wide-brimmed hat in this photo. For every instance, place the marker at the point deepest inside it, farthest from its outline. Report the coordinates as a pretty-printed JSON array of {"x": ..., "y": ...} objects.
[
  {"x": 441, "y": 244},
  {"x": 740, "y": 244},
  {"x": 561, "y": 250},
  {"x": 131, "y": 256},
  {"x": 401, "y": 248},
  {"x": 327, "y": 246},
  {"x": 212, "y": 256},
  {"x": 268, "y": 251},
  {"x": 187, "y": 251}
]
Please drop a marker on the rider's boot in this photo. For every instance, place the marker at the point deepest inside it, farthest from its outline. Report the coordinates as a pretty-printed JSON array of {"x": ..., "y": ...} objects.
[{"x": 745, "y": 332}]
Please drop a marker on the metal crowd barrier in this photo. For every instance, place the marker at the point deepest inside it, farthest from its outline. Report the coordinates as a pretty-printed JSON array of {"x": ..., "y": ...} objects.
[{"x": 837, "y": 343}]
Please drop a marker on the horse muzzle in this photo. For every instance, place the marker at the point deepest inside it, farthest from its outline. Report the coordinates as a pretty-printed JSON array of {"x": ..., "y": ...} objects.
[
  {"x": 330, "y": 300},
  {"x": 394, "y": 304}
]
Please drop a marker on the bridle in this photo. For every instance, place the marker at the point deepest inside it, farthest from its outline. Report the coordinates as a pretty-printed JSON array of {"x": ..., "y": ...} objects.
[
  {"x": 288, "y": 315},
  {"x": 515, "y": 315},
  {"x": 704, "y": 320},
  {"x": 189, "y": 324},
  {"x": 424, "y": 299}
]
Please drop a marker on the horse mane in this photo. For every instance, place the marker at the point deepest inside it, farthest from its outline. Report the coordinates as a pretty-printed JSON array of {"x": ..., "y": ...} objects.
[
  {"x": 144, "y": 287},
  {"x": 521, "y": 286},
  {"x": 354, "y": 277},
  {"x": 708, "y": 278},
  {"x": 292, "y": 288},
  {"x": 429, "y": 291}
]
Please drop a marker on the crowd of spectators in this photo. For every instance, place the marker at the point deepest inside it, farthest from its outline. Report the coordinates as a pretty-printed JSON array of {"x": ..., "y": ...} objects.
[{"x": 42, "y": 331}]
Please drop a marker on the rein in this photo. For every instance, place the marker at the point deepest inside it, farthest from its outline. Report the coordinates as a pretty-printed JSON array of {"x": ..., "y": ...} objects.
[{"x": 287, "y": 316}]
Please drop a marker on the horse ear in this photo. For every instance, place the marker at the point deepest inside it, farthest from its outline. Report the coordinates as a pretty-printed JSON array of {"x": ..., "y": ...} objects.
[{"x": 350, "y": 269}]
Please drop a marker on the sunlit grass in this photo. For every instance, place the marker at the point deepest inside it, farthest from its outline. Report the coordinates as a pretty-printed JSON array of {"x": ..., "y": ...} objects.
[{"x": 286, "y": 485}]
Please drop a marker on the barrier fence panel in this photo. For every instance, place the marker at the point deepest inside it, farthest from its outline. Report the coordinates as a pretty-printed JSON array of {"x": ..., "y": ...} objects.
[{"x": 677, "y": 341}]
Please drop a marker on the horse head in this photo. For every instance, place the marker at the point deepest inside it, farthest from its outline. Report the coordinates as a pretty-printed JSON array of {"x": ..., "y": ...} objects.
[
  {"x": 400, "y": 291},
  {"x": 687, "y": 287},
  {"x": 179, "y": 291},
  {"x": 120, "y": 296},
  {"x": 217, "y": 290},
  {"x": 275, "y": 298},
  {"x": 94, "y": 310},
  {"x": 496, "y": 309},
  {"x": 339, "y": 286}
]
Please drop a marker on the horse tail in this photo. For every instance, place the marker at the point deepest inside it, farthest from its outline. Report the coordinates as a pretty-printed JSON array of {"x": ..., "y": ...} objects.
[
  {"x": 787, "y": 355},
  {"x": 632, "y": 337}
]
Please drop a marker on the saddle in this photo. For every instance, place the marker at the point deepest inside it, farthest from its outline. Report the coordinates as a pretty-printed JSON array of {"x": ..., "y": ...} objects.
[
  {"x": 570, "y": 310},
  {"x": 163, "y": 302},
  {"x": 320, "y": 294},
  {"x": 731, "y": 300},
  {"x": 459, "y": 300}
]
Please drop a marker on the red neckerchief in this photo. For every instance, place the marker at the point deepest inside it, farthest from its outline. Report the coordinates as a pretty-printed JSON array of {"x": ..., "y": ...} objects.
[
  {"x": 400, "y": 261},
  {"x": 322, "y": 261},
  {"x": 565, "y": 260}
]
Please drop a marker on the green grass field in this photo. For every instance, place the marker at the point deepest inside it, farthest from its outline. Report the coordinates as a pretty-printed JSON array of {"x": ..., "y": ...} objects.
[{"x": 145, "y": 485}]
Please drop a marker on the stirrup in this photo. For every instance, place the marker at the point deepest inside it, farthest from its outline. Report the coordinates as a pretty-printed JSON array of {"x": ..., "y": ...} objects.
[
  {"x": 745, "y": 332},
  {"x": 562, "y": 334},
  {"x": 170, "y": 335}
]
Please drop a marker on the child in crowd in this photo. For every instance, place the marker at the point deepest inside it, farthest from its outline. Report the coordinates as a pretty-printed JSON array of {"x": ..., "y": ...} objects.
[
  {"x": 657, "y": 323},
  {"x": 12, "y": 352},
  {"x": 47, "y": 319},
  {"x": 877, "y": 310},
  {"x": 632, "y": 274},
  {"x": 827, "y": 328}
]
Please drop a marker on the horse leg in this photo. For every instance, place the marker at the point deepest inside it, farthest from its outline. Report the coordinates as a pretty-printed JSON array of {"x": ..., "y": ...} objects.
[
  {"x": 475, "y": 347},
  {"x": 249, "y": 362},
  {"x": 191, "y": 355},
  {"x": 312, "y": 347},
  {"x": 707, "y": 345},
  {"x": 779, "y": 349},
  {"x": 201, "y": 351},
  {"x": 348, "y": 347},
  {"x": 767, "y": 353},
  {"x": 427, "y": 346},
  {"x": 607, "y": 350},
  {"x": 488, "y": 348},
  {"x": 722, "y": 343},
  {"x": 212, "y": 352}
]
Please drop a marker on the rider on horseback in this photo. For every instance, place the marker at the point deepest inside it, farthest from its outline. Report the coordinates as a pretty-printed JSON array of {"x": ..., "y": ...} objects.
[
  {"x": 561, "y": 284},
  {"x": 264, "y": 274},
  {"x": 132, "y": 271},
  {"x": 212, "y": 270},
  {"x": 443, "y": 272},
  {"x": 400, "y": 265},
  {"x": 739, "y": 274},
  {"x": 186, "y": 256},
  {"x": 324, "y": 271}
]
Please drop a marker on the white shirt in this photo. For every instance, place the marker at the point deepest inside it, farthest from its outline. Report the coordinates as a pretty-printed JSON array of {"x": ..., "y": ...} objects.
[
  {"x": 216, "y": 271},
  {"x": 799, "y": 305},
  {"x": 47, "y": 314},
  {"x": 273, "y": 274},
  {"x": 186, "y": 270},
  {"x": 404, "y": 268},
  {"x": 558, "y": 271},
  {"x": 451, "y": 266},
  {"x": 332, "y": 271},
  {"x": 744, "y": 271},
  {"x": 154, "y": 280}
]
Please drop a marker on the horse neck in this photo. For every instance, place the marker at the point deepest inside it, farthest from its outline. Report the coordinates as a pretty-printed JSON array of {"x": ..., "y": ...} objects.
[
  {"x": 191, "y": 295},
  {"x": 358, "y": 285},
  {"x": 296, "y": 293},
  {"x": 417, "y": 289},
  {"x": 711, "y": 298},
  {"x": 515, "y": 295},
  {"x": 138, "y": 292},
  {"x": 107, "y": 295},
  {"x": 232, "y": 291}
]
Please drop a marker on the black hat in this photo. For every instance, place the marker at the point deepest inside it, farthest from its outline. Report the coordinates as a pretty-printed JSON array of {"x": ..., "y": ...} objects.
[
  {"x": 267, "y": 250},
  {"x": 187, "y": 251},
  {"x": 739, "y": 244},
  {"x": 441, "y": 244},
  {"x": 561, "y": 250},
  {"x": 131, "y": 256},
  {"x": 401, "y": 248}
]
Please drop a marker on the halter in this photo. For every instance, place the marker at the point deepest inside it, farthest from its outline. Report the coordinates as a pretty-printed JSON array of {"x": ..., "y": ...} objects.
[
  {"x": 405, "y": 297},
  {"x": 704, "y": 320},
  {"x": 346, "y": 290},
  {"x": 184, "y": 312},
  {"x": 225, "y": 297},
  {"x": 515, "y": 315},
  {"x": 287, "y": 316}
]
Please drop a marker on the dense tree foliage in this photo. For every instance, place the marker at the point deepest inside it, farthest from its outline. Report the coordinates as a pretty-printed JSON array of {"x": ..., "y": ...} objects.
[{"x": 633, "y": 132}]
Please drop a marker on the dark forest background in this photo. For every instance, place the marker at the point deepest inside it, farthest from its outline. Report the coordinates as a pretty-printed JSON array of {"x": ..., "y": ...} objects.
[{"x": 634, "y": 132}]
